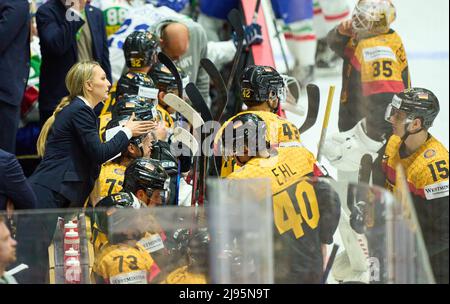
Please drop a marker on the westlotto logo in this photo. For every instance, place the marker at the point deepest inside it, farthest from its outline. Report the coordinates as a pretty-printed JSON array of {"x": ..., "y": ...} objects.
[{"x": 436, "y": 190}]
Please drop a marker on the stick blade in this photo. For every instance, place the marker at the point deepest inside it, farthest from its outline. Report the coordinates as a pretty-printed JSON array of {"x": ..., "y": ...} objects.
[
  {"x": 184, "y": 109},
  {"x": 313, "y": 93},
  {"x": 164, "y": 59},
  {"x": 219, "y": 84}
]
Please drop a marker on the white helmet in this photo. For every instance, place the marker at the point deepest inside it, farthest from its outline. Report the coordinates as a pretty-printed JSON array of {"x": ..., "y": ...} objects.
[{"x": 372, "y": 17}]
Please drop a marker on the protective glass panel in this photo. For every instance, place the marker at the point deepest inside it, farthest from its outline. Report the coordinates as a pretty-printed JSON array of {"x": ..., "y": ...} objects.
[{"x": 246, "y": 234}]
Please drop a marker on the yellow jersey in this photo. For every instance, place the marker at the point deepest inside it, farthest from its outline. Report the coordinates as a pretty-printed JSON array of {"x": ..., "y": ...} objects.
[
  {"x": 305, "y": 212},
  {"x": 125, "y": 264},
  {"x": 183, "y": 276},
  {"x": 426, "y": 170},
  {"x": 280, "y": 132},
  {"x": 165, "y": 116},
  {"x": 380, "y": 62},
  {"x": 105, "y": 114}
]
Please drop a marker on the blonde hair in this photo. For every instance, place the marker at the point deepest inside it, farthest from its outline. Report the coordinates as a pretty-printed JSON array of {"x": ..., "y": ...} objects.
[{"x": 77, "y": 76}]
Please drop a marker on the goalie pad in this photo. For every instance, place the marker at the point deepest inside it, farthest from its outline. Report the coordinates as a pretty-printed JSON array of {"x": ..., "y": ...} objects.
[{"x": 344, "y": 150}]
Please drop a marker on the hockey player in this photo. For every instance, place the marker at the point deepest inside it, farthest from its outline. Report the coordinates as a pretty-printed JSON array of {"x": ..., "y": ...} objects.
[
  {"x": 299, "y": 235},
  {"x": 140, "y": 49},
  {"x": 197, "y": 269},
  {"x": 145, "y": 182},
  {"x": 425, "y": 162},
  {"x": 111, "y": 175},
  {"x": 375, "y": 68},
  {"x": 124, "y": 260},
  {"x": 166, "y": 83},
  {"x": 114, "y": 12},
  {"x": 262, "y": 89}
]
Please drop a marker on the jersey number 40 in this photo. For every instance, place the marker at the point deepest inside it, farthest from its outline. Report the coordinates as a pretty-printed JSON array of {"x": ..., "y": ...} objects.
[{"x": 289, "y": 217}]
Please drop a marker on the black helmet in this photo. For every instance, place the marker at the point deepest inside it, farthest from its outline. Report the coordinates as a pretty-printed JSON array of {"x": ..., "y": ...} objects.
[
  {"x": 257, "y": 83},
  {"x": 164, "y": 79},
  {"x": 199, "y": 250},
  {"x": 245, "y": 130},
  {"x": 416, "y": 103},
  {"x": 136, "y": 84},
  {"x": 114, "y": 126},
  {"x": 105, "y": 214},
  {"x": 144, "y": 108},
  {"x": 140, "y": 49},
  {"x": 145, "y": 174},
  {"x": 161, "y": 152}
]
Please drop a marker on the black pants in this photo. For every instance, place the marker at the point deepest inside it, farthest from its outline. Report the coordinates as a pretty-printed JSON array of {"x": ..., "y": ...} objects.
[
  {"x": 9, "y": 118},
  {"x": 35, "y": 233}
]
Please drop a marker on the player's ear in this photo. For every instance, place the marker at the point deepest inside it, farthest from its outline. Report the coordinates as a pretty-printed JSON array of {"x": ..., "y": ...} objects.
[{"x": 140, "y": 194}]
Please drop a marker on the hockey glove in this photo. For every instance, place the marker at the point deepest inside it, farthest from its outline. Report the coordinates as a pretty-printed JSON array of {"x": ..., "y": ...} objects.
[{"x": 253, "y": 35}]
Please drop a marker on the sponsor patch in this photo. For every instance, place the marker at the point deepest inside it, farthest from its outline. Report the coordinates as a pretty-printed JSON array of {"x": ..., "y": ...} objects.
[
  {"x": 119, "y": 171},
  {"x": 135, "y": 277},
  {"x": 151, "y": 93},
  {"x": 429, "y": 153},
  {"x": 378, "y": 52},
  {"x": 436, "y": 190},
  {"x": 152, "y": 243}
]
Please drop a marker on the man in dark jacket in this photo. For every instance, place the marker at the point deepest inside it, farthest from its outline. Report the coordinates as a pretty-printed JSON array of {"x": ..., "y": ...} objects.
[
  {"x": 14, "y": 66},
  {"x": 68, "y": 34}
]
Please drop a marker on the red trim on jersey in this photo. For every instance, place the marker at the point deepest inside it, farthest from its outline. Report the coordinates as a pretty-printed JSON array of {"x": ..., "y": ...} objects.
[
  {"x": 415, "y": 191},
  {"x": 309, "y": 37},
  {"x": 154, "y": 271},
  {"x": 391, "y": 176},
  {"x": 337, "y": 17},
  {"x": 349, "y": 53},
  {"x": 382, "y": 86},
  {"x": 390, "y": 173},
  {"x": 317, "y": 171}
]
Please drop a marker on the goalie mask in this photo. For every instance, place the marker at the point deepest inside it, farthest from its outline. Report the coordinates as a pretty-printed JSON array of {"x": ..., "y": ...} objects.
[
  {"x": 140, "y": 49},
  {"x": 372, "y": 17},
  {"x": 411, "y": 104},
  {"x": 144, "y": 108},
  {"x": 260, "y": 84},
  {"x": 148, "y": 175}
]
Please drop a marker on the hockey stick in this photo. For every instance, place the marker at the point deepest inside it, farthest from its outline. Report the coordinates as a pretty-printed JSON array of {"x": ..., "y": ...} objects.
[
  {"x": 200, "y": 105},
  {"x": 164, "y": 59},
  {"x": 325, "y": 122},
  {"x": 313, "y": 107},
  {"x": 235, "y": 19},
  {"x": 182, "y": 107},
  {"x": 218, "y": 82},
  {"x": 365, "y": 168},
  {"x": 330, "y": 262},
  {"x": 183, "y": 136}
]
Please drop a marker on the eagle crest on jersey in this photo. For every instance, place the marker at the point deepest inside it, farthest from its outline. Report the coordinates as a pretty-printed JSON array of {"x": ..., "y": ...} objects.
[{"x": 426, "y": 170}]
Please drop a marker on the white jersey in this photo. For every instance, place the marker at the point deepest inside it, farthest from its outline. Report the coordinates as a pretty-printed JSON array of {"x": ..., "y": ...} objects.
[{"x": 139, "y": 18}]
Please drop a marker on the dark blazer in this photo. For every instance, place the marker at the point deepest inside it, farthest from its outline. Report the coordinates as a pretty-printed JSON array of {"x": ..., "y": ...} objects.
[
  {"x": 59, "y": 48},
  {"x": 74, "y": 153},
  {"x": 14, "y": 49},
  {"x": 13, "y": 184}
]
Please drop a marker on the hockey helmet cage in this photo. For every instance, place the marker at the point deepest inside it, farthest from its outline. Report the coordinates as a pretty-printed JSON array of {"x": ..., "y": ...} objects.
[
  {"x": 144, "y": 108},
  {"x": 145, "y": 174},
  {"x": 373, "y": 17},
  {"x": 136, "y": 84}
]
